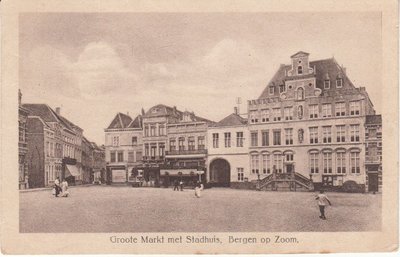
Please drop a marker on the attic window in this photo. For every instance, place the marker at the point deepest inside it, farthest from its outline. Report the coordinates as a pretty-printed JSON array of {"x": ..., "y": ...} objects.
[
  {"x": 154, "y": 110},
  {"x": 282, "y": 88},
  {"x": 271, "y": 90},
  {"x": 327, "y": 84},
  {"x": 299, "y": 70},
  {"x": 339, "y": 83}
]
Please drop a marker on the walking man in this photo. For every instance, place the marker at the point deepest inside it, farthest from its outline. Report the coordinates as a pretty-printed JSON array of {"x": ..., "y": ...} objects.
[
  {"x": 322, "y": 202},
  {"x": 176, "y": 185}
]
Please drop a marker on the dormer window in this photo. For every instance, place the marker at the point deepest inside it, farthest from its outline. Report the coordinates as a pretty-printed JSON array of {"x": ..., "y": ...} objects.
[
  {"x": 271, "y": 90},
  {"x": 327, "y": 84},
  {"x": 299, "y": 70},
  {"x": 155, "y": 110},
  {"x": 339, "y": 83}
]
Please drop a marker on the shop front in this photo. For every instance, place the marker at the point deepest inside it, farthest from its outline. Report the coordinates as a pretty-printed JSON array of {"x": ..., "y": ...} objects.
[{"x": 189, "y": 177}]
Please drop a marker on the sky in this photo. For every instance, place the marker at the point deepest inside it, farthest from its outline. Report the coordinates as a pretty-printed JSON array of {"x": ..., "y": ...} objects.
[{"x": 94, "y": 65}]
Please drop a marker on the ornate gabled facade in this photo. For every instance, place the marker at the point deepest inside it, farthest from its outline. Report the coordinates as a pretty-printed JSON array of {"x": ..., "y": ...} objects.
[
  {"x": 373, "y": 154},
  {"x": 309, "y": 121},
  {"x": 123, "y": 148}
]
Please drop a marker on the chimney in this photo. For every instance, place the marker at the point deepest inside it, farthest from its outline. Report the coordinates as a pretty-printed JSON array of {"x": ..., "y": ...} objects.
[
  {"x": 236, "y": 110},
  {"x": 58, "y": 110},
  {"x": 142, "y": 111}
]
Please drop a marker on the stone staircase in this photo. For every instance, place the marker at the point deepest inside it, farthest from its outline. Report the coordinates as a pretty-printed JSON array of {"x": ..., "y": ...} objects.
[{"x": 285, "y": 182}]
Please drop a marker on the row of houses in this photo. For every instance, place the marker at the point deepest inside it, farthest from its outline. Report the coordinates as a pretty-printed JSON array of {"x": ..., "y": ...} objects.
[
  {"x": 309, "y": 128},
  {"x": 51, "y": 146}
]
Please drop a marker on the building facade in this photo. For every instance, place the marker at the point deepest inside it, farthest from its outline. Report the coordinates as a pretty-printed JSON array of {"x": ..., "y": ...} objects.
[
  {"x": 22, "y": 145},
  {"x": 228, "y": 152},
  {"x": 373, "y": 158},
  {"x": 311, "y": 111},
  {"x": 123, "y": 149}
]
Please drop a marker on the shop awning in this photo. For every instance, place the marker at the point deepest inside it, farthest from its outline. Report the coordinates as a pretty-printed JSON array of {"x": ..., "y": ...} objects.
[
  {"x": 175, "y": 172},
  {"x": 72, "y": 170}
]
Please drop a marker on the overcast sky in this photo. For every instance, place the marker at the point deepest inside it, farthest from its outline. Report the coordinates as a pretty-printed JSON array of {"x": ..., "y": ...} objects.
[{"x": 95, "y": 65}]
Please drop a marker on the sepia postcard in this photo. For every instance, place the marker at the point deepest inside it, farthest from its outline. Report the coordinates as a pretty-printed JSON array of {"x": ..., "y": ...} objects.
[{"x": 199, "y": 127}]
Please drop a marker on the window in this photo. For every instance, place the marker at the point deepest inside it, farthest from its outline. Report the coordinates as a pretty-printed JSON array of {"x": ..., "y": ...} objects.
[
  {"x": 47, "y": 149},
  {"x": 112, "y": 157},
  {"x": 201, "y": 143},
  {"x": 271, "y": 90},
  {"x": 146, "y": 150},
  {"x": 115, "y": 141},
  {"x": 341, "y": 162},
  {"x": 372, "y": 133},
  {"x": 313, "y": 135},
  {"x": 288, "y": 113},
  {"x": 313, "y": 111},
  {"x": 314, "y": 156},
  {"x": 300, "y": 93},
  {"x": 172, "y": 144},
  {"x": 341, "y": 133},
  {"x": 282, "y": 88},
  {"x": 240, "y": 173},
  {"x": 152, "y": 130},
  {"x": 327, "y": 162},
  {"x": 191, "y": 144},
  {"x": 327, "y": 110},
  {"x": 215, "y": 140},
  {"x": 266, "y": 163},
  {"x": 131, "y": 156},
  {"x": 227, "y": 139},
  {"x": 354, "y": 108},
  {"x": 22, "y": 129},
  {"x": 265, "y": 138},
  {"x": 327, "y": 134},
  {"x": 120, "y": 156},
  {"x": 254, "y": 138},
  {"x": 354, "y": 133},
  {"x": 355, "y": 162},
  {"x": 161, "y": 149},
  {"x": 253, "y": 116},
  {"x": 139, "y": 156},
  {"x": 146, "y": 131},
  {"x": 181, "y": 144},
  {"x": 299, "y": 70},
  {"x": 239, "y": 139},
  {"x": 153, "y": 150},
  {"x": 161, "y": 130},
  {"x": 339, "y": 83},
  {"x": 278, "y": 162},
  {"x": 265, "y": 115},
  {"x": 289, "y": 136},
  {"x": 134, "y": 141},
  {"x": 254, "y": 164},
  {"x": 277, "y": 114},
  {"x": 327, "y": 84},
  {"x": 289, "y": 157},
  {"x": 277, "y": 137},
  {"x": 340, "y": 109}
]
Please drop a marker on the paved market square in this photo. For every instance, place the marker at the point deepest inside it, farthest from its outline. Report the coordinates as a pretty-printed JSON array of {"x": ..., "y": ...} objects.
[{"x": 126, "y": 209}]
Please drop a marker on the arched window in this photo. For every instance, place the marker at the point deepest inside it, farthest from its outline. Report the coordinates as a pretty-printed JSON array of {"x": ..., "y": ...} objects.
[
  {"x": 299, "y": 70},
  {"x": 313, "y": 162}
]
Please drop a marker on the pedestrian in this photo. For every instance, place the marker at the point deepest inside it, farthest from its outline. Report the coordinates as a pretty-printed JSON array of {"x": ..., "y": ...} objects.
[
  {"x": 176, "y": 184},
  {"x": 57, "y": 186},
  {"x": 323, "y": 201},
  {"x": 64, "y": 188},
  {"x": 197, "y": 190},
  {"x": 181, "y": 185}
]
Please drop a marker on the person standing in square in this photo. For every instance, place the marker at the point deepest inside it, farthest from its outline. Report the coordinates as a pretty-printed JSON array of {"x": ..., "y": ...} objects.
[{"x": 323, "y": 201}]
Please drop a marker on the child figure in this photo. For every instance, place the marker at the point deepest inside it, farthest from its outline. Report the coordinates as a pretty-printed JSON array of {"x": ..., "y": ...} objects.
[{"x": 322, "y": 202}]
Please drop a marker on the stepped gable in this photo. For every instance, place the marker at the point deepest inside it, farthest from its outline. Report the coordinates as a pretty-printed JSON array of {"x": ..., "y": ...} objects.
[
  {"x": 231, "y": 120},
  {"x": 120, "y": 121},
  {"x": 327, "y": 68}
]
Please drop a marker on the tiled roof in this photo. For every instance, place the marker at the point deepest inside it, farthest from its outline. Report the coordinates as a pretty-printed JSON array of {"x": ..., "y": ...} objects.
[
  {"x": 231, "y": 120},
  {"x": 41, "y": 110},
  {"x": 120, "y": 121},
  {"x": 136, "y": 123},
  {"x": 373, "y": 119},
  {"x": 327, "y": 68},
  {"x": 164, "y": 110}
]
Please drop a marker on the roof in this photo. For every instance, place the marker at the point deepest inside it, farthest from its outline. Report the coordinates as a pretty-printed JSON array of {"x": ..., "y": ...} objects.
[
  {"x": 300, "y": 53},
  {"x": 231, "y": 120},
  {"x": 66, "y": 122},
  {"x": 164, "y": 110},
  {"x": 41, "y": 110},
  {"x": 324, "y": 69},
  {"x": 373, "y": 119},
  {"x": 121, "y": 121}
]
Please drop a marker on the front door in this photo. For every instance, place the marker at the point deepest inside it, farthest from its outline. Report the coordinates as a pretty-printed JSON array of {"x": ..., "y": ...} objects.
[
  {"x": 373, "y": 182},
  {"x": 289, "y": 168}
]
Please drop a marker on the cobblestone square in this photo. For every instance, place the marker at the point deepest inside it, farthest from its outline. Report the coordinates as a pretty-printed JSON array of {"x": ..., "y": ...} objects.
[{"x": 125, "y": 209}]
